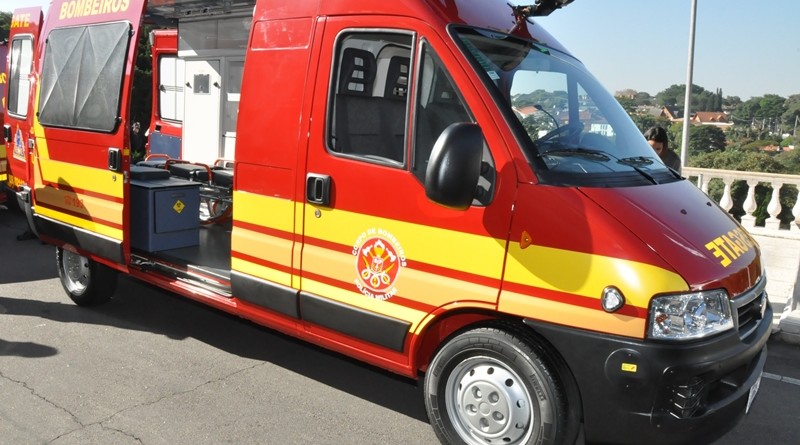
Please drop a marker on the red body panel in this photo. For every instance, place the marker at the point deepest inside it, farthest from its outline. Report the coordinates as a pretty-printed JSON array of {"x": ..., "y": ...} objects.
[{"x": 678, "y": 221}]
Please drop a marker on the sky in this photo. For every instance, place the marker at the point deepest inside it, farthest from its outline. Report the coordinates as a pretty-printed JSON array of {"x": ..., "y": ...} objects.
[{"x": 747, "y": 48}]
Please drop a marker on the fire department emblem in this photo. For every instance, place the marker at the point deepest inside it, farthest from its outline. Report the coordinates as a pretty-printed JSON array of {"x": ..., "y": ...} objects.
[
  {"x": 379, "y": 258},
  {"x": 19, "y": 145}
]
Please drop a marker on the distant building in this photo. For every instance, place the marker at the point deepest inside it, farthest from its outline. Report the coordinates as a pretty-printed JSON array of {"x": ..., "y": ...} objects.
[{"x": 715, "y": 118}]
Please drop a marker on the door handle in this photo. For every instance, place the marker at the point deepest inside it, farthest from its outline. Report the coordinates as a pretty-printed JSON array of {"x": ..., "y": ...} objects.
[
  {"x": 318, "y": 189},
  {"x": 114, "y": 159}
]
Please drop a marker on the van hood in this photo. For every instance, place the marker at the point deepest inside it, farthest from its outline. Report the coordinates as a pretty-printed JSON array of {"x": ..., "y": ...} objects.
[{"x": 689, "y": 231}]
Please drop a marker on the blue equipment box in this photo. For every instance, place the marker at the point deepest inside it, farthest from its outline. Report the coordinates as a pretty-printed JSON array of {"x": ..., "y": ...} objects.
[{"x": 165, "y": 214}]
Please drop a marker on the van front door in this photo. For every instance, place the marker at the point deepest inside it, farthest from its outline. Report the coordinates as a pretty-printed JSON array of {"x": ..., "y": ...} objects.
[
  {"x": 82, "y": 150},
  {"x": 379, "y": 257}
]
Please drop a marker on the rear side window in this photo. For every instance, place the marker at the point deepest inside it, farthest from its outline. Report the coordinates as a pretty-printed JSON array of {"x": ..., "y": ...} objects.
[
  {"x": 19, "y": 84},
  {"x": 82, "y": 76}
]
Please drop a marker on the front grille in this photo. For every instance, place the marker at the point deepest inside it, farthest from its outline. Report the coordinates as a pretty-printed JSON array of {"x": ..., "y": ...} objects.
[
  {"x": 750, "y": 307},
  {"x": 687, "y": 399}
]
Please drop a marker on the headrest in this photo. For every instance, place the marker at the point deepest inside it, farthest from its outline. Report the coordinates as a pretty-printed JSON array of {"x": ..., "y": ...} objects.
[
  {"x": 357, "y": 72},
  {"x": 397, "y": 78}
]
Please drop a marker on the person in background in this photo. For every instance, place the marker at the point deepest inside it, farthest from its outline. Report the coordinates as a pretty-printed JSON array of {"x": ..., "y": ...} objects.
[
  {"x": 657, "y": 138},
  {"x": 137, "y": 143}
]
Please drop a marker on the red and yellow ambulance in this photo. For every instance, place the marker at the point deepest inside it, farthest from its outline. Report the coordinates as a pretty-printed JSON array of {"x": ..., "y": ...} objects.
[{"x": 435, "y": 187}]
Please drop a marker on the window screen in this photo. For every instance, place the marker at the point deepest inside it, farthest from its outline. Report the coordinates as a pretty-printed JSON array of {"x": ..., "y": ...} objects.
[
  {"x": 82, "y": 76},
  {"x": 19, "y": 84}
]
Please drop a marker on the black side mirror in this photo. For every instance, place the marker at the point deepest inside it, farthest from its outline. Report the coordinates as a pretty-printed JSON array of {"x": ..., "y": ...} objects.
[{"x": 455, "y": 166}]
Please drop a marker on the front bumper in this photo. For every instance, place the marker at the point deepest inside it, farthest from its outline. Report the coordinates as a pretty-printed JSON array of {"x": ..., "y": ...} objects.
[{"x": 636, "y": 392}]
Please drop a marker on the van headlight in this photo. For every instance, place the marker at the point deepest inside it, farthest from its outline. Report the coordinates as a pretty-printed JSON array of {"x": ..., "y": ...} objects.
[{"x": 690, "y": 316}]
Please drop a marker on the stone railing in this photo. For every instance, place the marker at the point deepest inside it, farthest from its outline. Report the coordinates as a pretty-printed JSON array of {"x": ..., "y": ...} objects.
[{"x": 703, "y": 176}]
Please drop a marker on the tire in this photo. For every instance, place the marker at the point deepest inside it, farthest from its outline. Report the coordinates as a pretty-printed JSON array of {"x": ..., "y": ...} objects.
[
  {"x": 489, "y": 386},
  {"x": 87, "y": 282}
]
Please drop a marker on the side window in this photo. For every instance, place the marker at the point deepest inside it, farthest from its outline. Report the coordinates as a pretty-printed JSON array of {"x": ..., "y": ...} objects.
[
  {"x": 170, "y": 88},
  {"x": 370, "y": 96},
  {"x": 19, "y": 84},
  {"x": 438, "y": 106},
  {"x": 82, "y": 76}
]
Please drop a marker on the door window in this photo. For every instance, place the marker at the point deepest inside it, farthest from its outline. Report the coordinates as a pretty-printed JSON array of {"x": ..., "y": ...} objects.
[
  {"x": 19, "y": 84},
  {"x": 370, "y": 97},
  {"x": 438, "y": 106},
  {"x": 82, "y": 76}
]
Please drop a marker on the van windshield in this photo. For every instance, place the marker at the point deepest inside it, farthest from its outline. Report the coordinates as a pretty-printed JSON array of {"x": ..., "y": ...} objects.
[{"x": 572, "y": 131}]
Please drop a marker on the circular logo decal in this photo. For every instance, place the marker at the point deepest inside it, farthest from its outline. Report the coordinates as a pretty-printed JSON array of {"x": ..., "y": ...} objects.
[{"x": 379, "y": 258}]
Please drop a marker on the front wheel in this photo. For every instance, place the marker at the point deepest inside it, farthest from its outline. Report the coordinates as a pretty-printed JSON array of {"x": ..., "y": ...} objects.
[
  {"x": 489, "y": 386},
  {"x": 87, "y": 282}
]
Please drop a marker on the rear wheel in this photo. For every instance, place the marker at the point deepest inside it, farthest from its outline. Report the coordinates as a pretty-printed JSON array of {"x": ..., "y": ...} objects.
[
  {"x": 489, "y": 386},
  {"x": 87, "y": 282}
]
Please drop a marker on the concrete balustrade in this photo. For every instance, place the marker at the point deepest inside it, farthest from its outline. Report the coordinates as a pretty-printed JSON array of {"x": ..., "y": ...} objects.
[{"x": 703, "y": 176}]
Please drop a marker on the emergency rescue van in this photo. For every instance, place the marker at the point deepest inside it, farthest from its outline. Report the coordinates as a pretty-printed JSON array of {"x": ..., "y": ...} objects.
[{"x": 435, "y": 187}]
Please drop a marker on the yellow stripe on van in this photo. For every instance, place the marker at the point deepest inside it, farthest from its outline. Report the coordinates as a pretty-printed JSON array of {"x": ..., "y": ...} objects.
[
  {"x": 267, "y": 211},
  {"x": 94, "y": 208},
  {"x": 474, "y": 254},
  {"x": 571, "y": 315},
  {"x": 259, "y": 271},
  {"x": 91, "y": 226},
  {"x": 264, "y": 247},
  {"x": 586, "y": 274},
  {"x": 356, "y": 299},
  {"x": 101, "y": 180}
]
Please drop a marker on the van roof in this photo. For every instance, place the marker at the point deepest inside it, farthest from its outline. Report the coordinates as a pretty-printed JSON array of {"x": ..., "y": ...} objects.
[{"x": 498, "y": 15}]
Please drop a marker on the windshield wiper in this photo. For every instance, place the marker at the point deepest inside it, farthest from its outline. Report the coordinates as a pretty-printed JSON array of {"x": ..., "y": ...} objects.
[
  {"x": 577, "y": 152},
  {"x": 632, "y": 162}
]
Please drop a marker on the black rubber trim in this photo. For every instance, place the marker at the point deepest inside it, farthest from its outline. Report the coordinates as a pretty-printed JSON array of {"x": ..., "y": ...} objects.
[
  {"x": 364, "y": 325},
  {"x": 273, "y": 296},
  {"x": 82, "y": 239},
  {"x": 621, "y": 407}
]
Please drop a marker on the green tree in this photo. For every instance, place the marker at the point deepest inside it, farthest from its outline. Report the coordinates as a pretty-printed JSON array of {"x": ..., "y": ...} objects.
[
  {"x": 704, "y": 138},
  {"x": 627, "y": 103},
  {"x": 645, "y": 121},
  {"x": 747, "y": 110},
  {"x": 790, "y": 159},
  {"x": 791, "y": 117},
  {"x": 771, "y": 106},
  {"x": 5, "y": 25}
]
